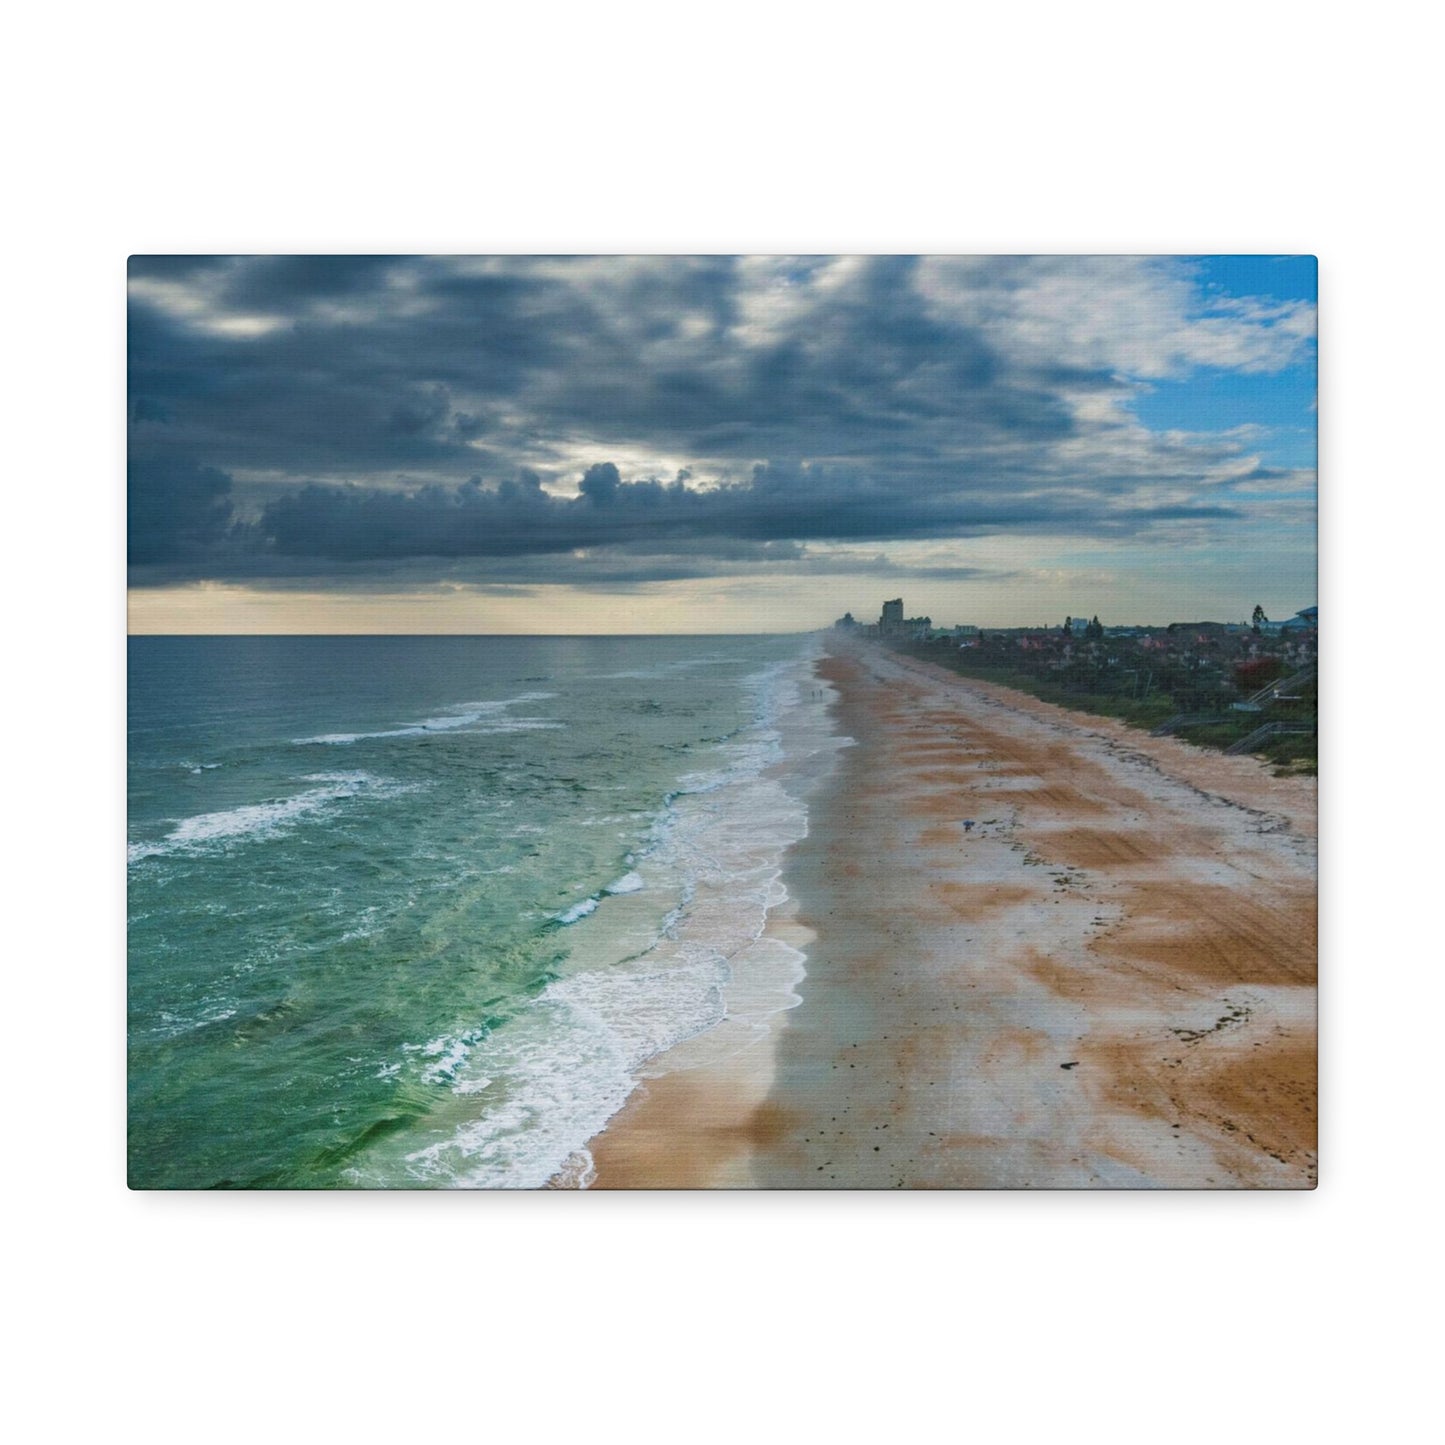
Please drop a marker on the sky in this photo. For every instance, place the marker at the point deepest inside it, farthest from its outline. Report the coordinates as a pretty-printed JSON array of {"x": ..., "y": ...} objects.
[{"x": 716, "y": 443}]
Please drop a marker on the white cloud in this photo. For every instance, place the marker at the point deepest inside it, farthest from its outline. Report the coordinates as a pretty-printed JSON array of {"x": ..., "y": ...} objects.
[{"x": 1139, "y": 316}]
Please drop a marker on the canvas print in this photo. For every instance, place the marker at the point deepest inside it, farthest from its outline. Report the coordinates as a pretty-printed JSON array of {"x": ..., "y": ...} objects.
[{"x": 635, "y": 722}]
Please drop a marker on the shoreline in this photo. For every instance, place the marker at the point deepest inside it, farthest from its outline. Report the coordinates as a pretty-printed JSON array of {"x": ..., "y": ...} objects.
[
  {"x": 1108, "y": 981},
  {"x": 700, "y": 1112}
]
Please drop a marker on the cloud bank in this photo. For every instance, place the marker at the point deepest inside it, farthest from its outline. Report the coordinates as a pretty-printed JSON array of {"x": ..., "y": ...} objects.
[{"x": 632, "y": 419}]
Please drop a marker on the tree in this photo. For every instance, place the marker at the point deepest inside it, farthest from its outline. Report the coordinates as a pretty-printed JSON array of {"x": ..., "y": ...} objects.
[
  {"x": 1257, "y": 618},
  {"x": 1068, "y": 627},
  {"x": 1095, "y": 629},
  {"x": 1251, "y": 675}
]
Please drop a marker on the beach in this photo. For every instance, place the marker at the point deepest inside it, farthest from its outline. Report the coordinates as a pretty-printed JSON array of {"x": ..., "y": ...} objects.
[{"x": 1041, "y": 950}]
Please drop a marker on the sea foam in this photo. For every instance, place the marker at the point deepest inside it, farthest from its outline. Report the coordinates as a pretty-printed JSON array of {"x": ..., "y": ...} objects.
[
  {"x": 476, "y": 716},
  {"x": 556, "y": 1074},
  {"x": 260, "y": 820},
  {"x": 577, "y": 911}
]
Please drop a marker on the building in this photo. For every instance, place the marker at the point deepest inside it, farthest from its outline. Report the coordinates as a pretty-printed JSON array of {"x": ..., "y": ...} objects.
[{"x": 894, "y": 624}]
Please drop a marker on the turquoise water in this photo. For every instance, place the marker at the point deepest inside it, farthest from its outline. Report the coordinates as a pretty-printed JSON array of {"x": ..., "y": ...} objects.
[{"x": 412, "y": 912}]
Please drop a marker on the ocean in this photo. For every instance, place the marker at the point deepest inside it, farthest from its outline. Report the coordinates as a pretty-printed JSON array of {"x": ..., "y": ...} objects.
[{"x": 416, "y": 912}]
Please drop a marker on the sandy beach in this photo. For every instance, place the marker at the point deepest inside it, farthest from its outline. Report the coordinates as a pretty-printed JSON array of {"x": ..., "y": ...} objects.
[{"x": 1108, "y": 981}]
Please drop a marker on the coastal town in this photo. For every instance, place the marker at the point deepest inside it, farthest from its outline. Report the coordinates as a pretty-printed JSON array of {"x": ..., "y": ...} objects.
[{"x": 1240, "y": 687}]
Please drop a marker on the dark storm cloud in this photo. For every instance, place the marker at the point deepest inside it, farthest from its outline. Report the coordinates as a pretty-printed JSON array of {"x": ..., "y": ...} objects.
[
  {"x": 334, "y": 408},
  {"x": 619, "y": 569},
  {"x": 353, "y": 524},
  {"x": 175, "y": 268},
  {"x": 179, "y": 510},
  {"x": 626, "y": 354},
  {"x": 270, "y": 283}
]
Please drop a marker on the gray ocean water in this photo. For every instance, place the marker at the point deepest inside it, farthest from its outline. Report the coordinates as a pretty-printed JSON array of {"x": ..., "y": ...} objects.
[{"x": 414, "y": 912}]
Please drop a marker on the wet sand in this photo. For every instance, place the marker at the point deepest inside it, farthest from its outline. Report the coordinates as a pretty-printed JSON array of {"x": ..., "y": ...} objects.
[{"x": 1108, "y": 981}]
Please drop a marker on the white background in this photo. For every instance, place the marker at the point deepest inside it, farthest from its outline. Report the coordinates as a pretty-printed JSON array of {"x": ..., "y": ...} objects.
[{"x": 810, "y": 127}]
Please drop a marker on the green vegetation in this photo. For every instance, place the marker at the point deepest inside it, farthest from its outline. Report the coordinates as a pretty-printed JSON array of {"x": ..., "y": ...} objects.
[{"x": 1184, "y": 675}]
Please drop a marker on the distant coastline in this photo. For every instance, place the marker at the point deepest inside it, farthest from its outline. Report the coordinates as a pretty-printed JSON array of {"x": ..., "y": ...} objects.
[{"x": 1247, "y": 686}]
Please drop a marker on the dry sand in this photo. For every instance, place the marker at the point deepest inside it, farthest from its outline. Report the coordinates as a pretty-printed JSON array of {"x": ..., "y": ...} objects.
[{"x": 1109, "y": 981}]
